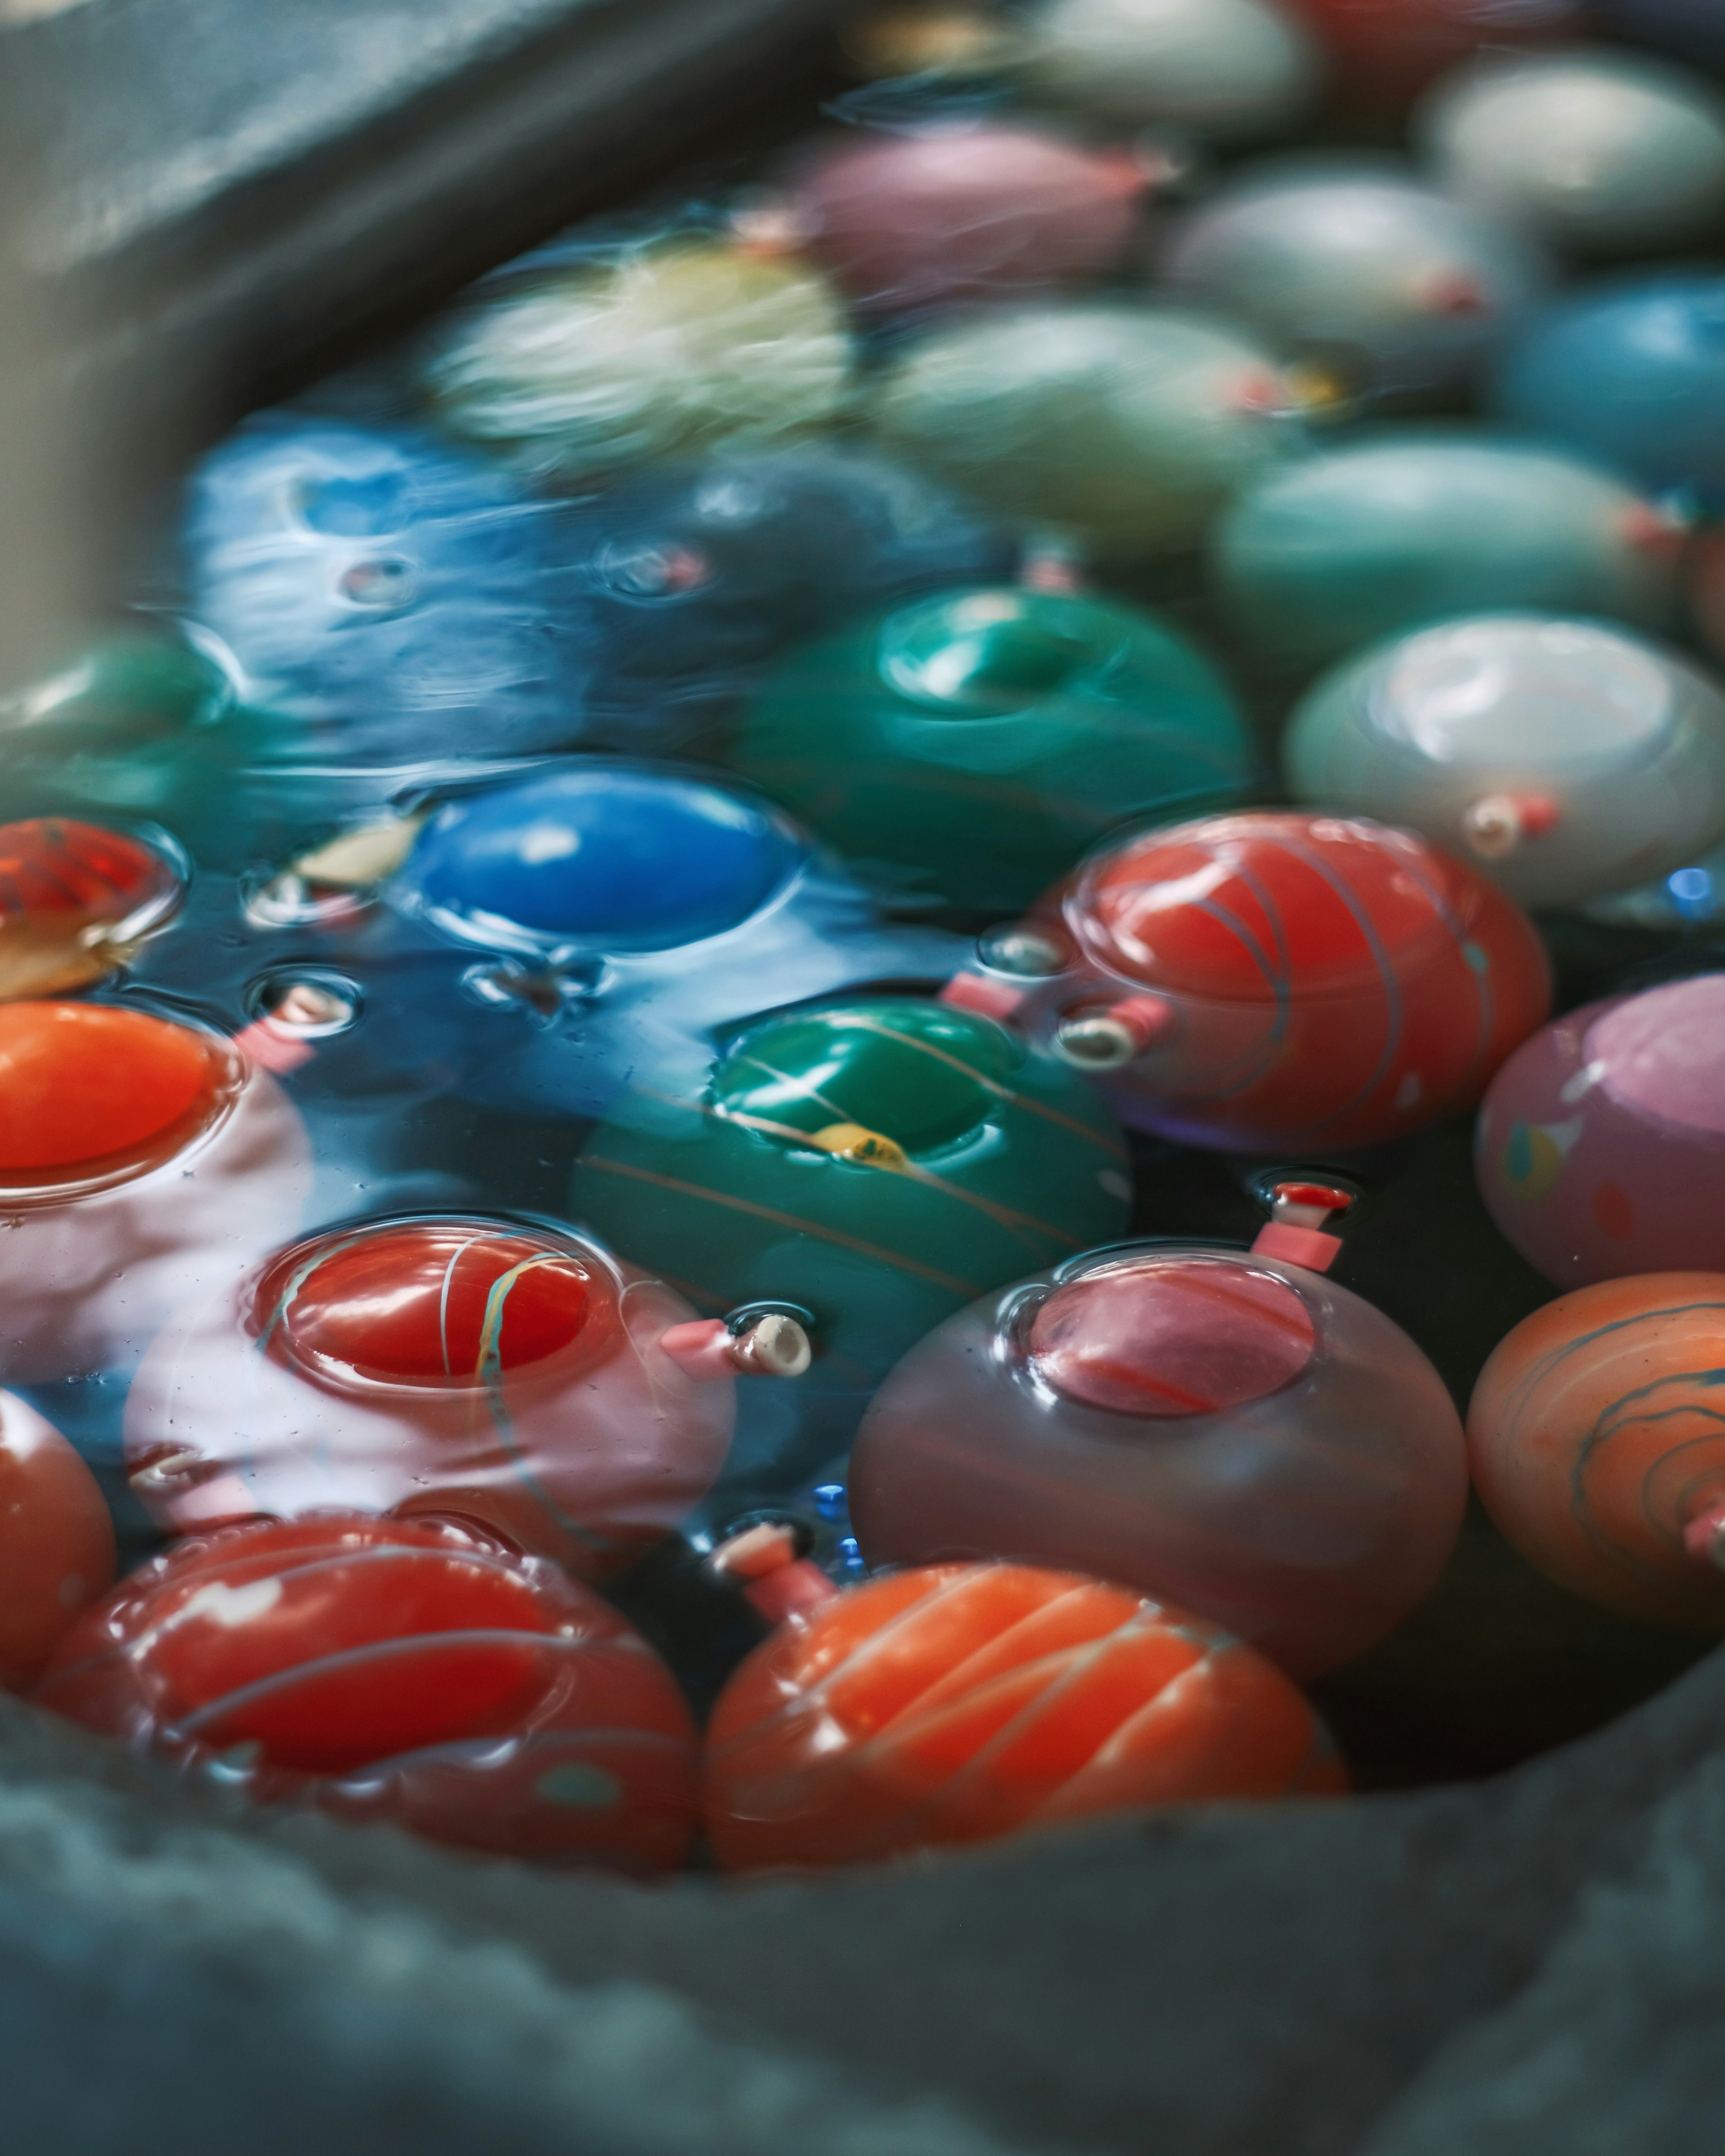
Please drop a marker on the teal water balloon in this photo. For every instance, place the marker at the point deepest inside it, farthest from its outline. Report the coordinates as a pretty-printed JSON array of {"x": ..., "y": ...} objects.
[
  {"x": 1127, "y": 427},
  {"x": 1408, "y": 527},
  {"x": 1631, "y": 370},
  {"x": 978, "y": 742},
  {"x": 869, "y": 1162}
]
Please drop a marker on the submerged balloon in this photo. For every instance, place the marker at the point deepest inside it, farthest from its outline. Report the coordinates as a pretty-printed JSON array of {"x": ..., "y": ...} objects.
[
  {"x": 396, "y": 600},
  {"x": 576, "y": 368},
  {"x": 1129, "y": 426}
]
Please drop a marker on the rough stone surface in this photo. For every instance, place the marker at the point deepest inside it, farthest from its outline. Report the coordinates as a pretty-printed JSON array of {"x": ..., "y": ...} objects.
[
  {"x": 1215, "y": 1985},
  {"x": 156, "y": 1967},
  {"x": 1612, "y": 2048}
]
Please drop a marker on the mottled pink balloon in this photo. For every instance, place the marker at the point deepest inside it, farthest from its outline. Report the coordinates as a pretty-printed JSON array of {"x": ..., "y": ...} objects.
[
  {"x": 963, "y": 212},
  {"x": 1602, "y": 1140}
]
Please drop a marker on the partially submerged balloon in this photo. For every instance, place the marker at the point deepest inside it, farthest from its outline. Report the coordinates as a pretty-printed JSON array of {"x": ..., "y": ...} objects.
[
  {"x": 960, "y": 1703},
  {"x": 1223, "y": 70},
  {"x": 980, "y": 741},
  {"x": 1632, "y": 371},
  {"x": 1272, "y": 979},
  {"x": 1565, "y": 757},
  {"x": 1227, "y": 1428},
  {"x": 520, "y": 1377},
  {"x": 412, "y": 1671},
  {"x": 1377, "y": 283},
  {"x": 56, "y": 1540},
  {"x": 1323, "y": 555}
]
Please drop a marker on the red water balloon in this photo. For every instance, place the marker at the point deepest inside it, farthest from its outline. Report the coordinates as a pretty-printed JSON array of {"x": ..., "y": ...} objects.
[{"x": 407, "y": 1671}]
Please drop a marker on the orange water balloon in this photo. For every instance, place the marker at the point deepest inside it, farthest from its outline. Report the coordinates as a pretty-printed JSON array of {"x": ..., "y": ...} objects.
[
  {"x": 56, "y": 1540},
  {"x": 1597, "y": 1438},
  {"x": 962, "y": 1702}
]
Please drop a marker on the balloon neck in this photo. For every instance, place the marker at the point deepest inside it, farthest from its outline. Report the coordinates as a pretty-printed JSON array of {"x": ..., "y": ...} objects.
[
  {"x": 1296, "y": 1231},
  {"x": 1107, "y": 1037},
  {"x": 1501, "y": 824},
  {"x": 1704, "y": 1537},
  {"x": 765, "y": 1562},
  {"x": 774, "y": 1345}
]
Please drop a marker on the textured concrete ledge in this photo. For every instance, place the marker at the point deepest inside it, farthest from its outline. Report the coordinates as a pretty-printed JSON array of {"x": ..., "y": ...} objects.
[{"x": 215, "y": 199}]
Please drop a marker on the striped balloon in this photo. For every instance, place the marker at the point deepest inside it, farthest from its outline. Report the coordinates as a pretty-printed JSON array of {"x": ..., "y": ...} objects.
[
  {"x": 412, "y": 1671},
  {"x": 1597, "y": 1436},
  {"x": 960, "y": 1703},
  {"x": 1334, "y": 982}
]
